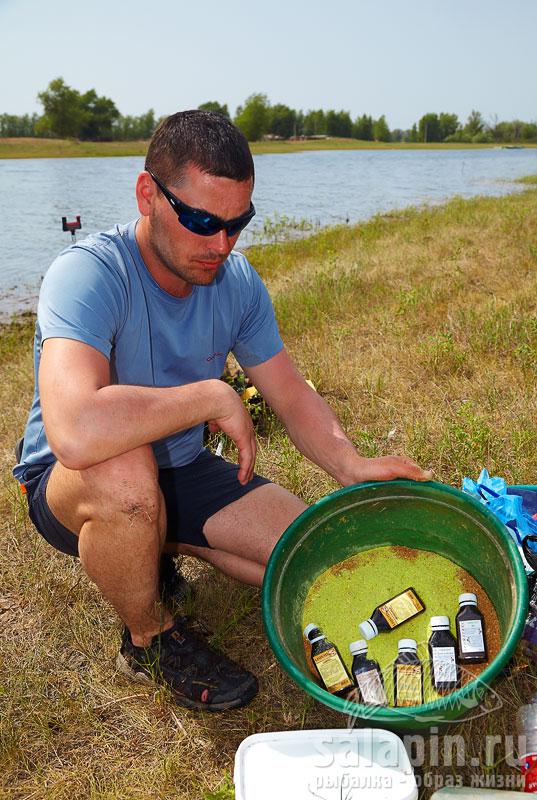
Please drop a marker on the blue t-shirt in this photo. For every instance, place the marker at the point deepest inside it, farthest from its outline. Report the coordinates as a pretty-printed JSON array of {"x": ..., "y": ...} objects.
[{"x": 100, "y": 292}]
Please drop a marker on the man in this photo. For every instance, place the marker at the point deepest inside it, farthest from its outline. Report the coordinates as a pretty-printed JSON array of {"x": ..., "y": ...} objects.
[{"x": 134, "y": 327}]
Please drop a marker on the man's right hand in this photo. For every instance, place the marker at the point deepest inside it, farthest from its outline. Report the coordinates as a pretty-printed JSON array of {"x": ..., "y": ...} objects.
[
  {"x": 235, "y": 422},
  {"x": 89, "y": 420}
]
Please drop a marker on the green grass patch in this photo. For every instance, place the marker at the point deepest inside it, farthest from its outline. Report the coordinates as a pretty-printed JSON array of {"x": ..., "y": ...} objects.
[{"x": 28, "y": 147}]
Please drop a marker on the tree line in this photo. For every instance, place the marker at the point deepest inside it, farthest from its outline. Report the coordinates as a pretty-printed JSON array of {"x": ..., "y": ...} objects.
[{"x": 68, "y": 113}]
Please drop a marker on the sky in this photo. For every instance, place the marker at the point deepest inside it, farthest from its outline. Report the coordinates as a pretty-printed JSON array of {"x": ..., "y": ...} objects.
[{"x": 401, "y": 58}]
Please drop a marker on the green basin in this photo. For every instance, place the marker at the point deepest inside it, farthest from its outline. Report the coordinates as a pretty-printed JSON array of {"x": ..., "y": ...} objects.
[{"x": 427, "y": 516}]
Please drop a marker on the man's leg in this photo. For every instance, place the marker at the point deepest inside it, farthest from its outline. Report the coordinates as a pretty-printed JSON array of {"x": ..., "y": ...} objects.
[
  {"x": 117, "y": 510},
  {"x": 243, "y": 534}
]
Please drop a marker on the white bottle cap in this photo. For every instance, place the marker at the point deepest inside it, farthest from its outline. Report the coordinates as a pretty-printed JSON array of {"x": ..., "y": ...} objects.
[
  {"x": 309, "y": 628},
  {"x": 439, "y": 622},
  {"x": 407, "y": 644},
  {"x": 468, "y": 597},
  {"x": 357, "y": 647},
  {"x": 368, "y": 629}
]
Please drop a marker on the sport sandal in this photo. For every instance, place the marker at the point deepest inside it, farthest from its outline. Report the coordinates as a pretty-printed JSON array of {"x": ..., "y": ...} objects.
[{"x": 199, "y": 677}]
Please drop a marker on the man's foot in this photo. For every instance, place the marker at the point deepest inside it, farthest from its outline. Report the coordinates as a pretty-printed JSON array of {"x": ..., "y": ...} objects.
[
  {"x": 200, "y": 678},
  {"x": 174, "y": 588}
]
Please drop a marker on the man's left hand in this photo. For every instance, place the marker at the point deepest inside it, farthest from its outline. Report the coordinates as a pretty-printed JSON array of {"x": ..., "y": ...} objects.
[{"x": 386, "y": 468}]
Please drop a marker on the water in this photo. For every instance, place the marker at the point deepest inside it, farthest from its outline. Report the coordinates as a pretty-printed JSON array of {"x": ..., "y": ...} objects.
[{"x": 325, "y": 187}]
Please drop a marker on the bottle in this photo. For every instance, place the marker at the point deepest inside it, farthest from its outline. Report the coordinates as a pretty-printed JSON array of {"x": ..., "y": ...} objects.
[
  {"x": 367, "y": 675},
  {"x": 407, "y": 675},
  {"x": 392, "y": 613},
  {"x": 470, "y": 631},
  {"x": 527, "y": 730},
  {"x": 443, "y": 656},
  {"x": 328, "y": 662}
]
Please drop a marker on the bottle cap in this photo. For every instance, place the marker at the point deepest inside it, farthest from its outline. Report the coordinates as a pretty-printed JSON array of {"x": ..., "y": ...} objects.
[
  {"x": 368, "y": 629},
  {"x": 407, "y": 644},
  {"x": 439, "y": 622},
  {"x": 359, "y": 646},
  {"x": 468, "y": 597},
  {"x": 309, "y": 628}
]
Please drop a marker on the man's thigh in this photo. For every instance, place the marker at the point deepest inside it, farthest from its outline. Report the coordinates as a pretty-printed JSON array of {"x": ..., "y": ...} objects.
[{"x": 251, "y": 526}]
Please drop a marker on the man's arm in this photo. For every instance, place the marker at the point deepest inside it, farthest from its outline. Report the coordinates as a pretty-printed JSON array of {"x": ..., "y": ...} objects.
[
  {"x": 88, "y": 420},
  {"x": 314, "y": 429}
]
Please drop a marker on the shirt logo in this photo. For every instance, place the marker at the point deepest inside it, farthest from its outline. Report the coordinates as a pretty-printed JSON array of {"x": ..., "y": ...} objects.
[{"x": 213, "y": 356}]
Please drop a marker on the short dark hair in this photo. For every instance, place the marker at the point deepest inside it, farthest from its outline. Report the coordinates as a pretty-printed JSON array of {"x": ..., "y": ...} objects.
[{"x": 203, "y": 138}]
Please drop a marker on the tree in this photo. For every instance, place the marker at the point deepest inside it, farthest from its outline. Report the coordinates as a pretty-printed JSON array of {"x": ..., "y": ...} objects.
[
  {"x": 252, "y": 118},
  {"x": 63, "y": 112},
  {"x": 429, "y": 128},
  {"x": 100, "y": 115},
  {"x": 475, "y": 124},
  {"x": 381, "y": 131},
  {"x": 363, "y": 128},
  {"x": 338, "y": 123},
  {"x": 216, "y": 107},
  {"x": 315, "y": 123},
  {"x": 281, "y": 121},
  {"x": 449, "y": 124}
]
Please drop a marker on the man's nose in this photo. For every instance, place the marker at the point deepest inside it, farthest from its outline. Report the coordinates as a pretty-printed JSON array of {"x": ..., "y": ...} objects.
[{"x": 220, "y": 241}]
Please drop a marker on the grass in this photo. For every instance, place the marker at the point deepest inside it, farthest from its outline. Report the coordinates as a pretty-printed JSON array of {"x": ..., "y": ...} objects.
[
  {"x": 421, "y": 324},
  {"x": 71, "y": 148}
]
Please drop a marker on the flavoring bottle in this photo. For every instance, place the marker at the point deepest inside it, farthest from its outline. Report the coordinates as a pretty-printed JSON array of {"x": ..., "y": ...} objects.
[
  {"x": 407, "y": 675},
  {"x": 527, "y": 729},
  {"x": 470, "y": 631},
  {"x": 367, "y": 675},
  {"x": 328, "y": 662},
  {"x": 392, "y": 613},
  {"x": 443, "y": 656}
]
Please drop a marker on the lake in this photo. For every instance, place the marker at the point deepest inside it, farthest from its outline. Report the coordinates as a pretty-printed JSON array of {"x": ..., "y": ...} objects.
[{"x": 324, "y": 187}]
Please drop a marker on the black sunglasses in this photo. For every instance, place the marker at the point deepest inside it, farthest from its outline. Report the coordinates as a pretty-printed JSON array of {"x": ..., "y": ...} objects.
[{"x": 202, "y": 222}]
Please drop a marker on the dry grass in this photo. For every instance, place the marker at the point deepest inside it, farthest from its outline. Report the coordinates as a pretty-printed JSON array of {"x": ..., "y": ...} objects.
[
  {"x": 30, "y": 147},
  {"x": 423, "y": 321}
]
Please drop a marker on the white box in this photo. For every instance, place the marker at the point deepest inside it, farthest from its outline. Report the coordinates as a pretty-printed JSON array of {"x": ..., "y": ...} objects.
[{"x": 365, "y": 763}]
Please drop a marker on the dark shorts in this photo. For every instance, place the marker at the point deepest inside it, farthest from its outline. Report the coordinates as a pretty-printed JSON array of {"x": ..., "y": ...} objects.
[{"x": 192, "y": 493}]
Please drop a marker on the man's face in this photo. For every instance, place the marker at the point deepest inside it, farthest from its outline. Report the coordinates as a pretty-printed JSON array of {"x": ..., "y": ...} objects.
[{"x": 179, "y": 255}]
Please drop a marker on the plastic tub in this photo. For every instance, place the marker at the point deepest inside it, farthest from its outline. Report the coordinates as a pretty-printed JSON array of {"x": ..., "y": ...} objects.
[
  {"x": 427, "y": 516},
  {"x": 328, "y": 764}
]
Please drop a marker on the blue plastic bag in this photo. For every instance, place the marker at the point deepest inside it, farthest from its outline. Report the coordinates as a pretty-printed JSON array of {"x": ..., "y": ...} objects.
[{"x": 514, "y": 507}]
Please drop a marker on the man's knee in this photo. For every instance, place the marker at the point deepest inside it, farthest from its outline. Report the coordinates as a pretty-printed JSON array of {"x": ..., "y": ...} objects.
[{"x": 124, "y": 487}]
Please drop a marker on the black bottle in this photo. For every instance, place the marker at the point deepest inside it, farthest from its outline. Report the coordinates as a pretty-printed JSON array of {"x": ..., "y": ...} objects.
[
  {"x": 391, "y": 613},
  {"x": 367, "y": 675},
  {"x": 443, "y": 656},
  {"x": 407, "y": 675},
  {"x": 328, "y": 662},
  {"x": 470, "y": 631}
]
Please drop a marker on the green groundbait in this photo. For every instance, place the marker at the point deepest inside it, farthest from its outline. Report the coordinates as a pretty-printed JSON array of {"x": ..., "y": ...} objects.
[{"x": 427, "y": 516}]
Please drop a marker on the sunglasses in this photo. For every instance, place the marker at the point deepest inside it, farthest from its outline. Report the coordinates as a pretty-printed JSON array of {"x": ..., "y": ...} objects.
[{"x": 196, "y": 220}]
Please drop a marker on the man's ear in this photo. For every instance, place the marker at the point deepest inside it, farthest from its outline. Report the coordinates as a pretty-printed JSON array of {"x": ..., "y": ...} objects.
[{"x": 146, "y": 192}]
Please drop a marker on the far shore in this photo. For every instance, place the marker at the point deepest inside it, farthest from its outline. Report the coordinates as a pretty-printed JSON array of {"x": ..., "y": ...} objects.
[{"x": 71, "y": 148}]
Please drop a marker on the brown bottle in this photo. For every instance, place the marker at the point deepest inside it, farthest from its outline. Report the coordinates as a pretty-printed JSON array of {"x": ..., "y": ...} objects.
[
  {"x": 328, "y": 662},
  {"x": 443, "y": 655},
  {"x": 470, "y": 631},
  {"x": 407, "y": 675}
]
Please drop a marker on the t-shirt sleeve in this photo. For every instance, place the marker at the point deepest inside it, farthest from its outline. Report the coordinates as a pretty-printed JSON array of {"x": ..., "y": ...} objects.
[
  {"x": 81, "y": 298},
  {"x": 258, "y": 338}
]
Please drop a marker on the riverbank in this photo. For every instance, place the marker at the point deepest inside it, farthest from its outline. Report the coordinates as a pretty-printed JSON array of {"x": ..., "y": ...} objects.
[
  {"x": 420, "y": 329},
  {"x": 68, "y": 148}
]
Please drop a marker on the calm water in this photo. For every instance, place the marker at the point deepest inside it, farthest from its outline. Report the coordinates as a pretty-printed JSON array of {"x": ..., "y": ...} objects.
[{"x": 323, "y": 187}]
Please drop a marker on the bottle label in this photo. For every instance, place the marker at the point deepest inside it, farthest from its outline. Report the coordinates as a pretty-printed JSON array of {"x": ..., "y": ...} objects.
[
  {"x": 371, "y": 687},
  {"x": 332, "y": 670},
  {"x": 471, "y": 636},
  {"x": 401, "y": 608},
  {"x": 528, "y": 767},
  {"x": 444, "y": 665},
  {"x": 408, "y": 685}
]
